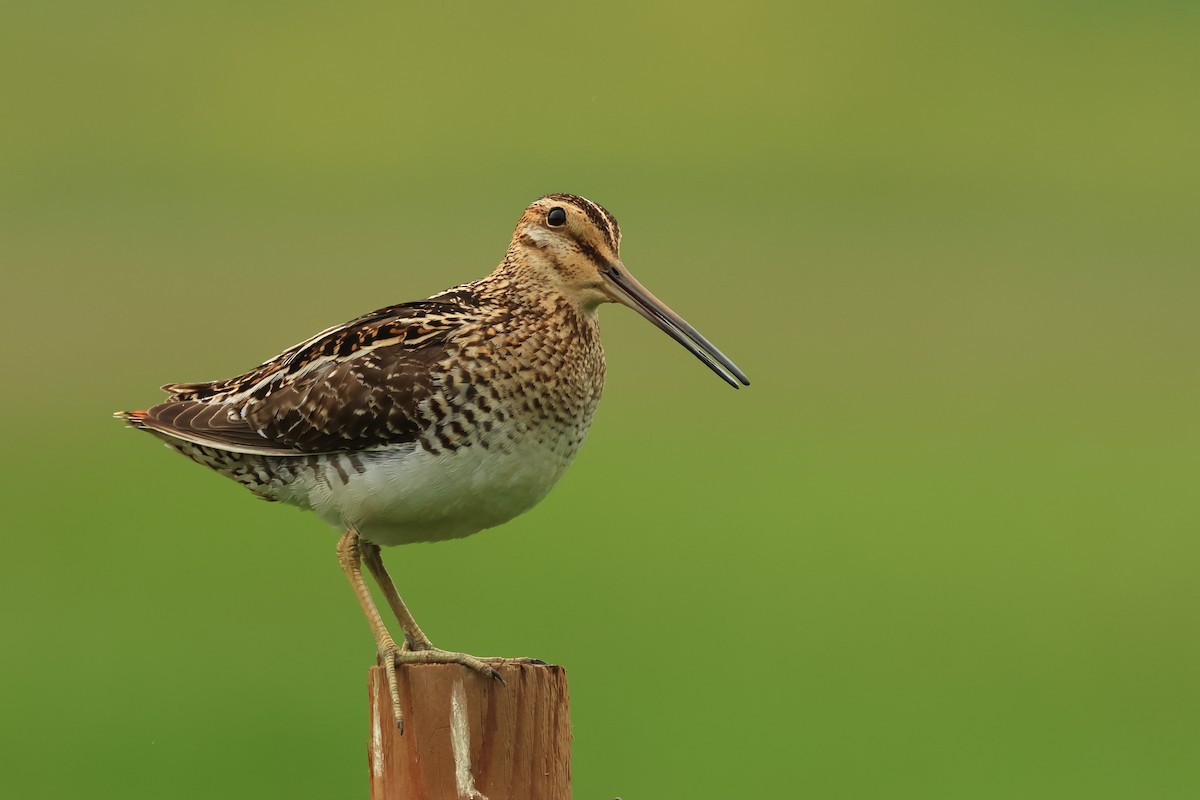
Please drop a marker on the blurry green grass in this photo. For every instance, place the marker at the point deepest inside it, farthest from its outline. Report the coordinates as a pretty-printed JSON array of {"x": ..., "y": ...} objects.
[{"x": 944, "y": 546}]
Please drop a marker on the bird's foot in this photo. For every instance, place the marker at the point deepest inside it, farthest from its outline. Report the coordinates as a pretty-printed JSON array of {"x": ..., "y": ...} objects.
[
  {"x": 428, "y": 654},
  {"x": 416, "y": 642},
  {"x": 391, "y": 655}
]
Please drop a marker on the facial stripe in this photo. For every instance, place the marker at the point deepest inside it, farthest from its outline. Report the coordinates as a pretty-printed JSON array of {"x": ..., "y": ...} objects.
[
  {"x": 592, "y": 254},
  {"x": 532, "y": 241},
  {"x": 541, "y": 247}
]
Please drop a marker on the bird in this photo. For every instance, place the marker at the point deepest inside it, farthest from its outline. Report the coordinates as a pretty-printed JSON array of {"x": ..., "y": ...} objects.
[{"x": 435, "y": 419}]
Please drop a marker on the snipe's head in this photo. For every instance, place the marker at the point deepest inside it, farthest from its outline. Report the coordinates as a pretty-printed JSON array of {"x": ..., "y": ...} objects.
[{"x": 573, "y": 246}]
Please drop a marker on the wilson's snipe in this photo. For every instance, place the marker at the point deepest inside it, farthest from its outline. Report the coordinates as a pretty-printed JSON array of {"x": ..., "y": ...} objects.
[{"x": 435, "y": 419}]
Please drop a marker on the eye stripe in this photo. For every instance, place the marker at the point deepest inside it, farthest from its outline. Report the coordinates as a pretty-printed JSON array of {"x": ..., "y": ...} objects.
[{"x": 593, "y": 255}]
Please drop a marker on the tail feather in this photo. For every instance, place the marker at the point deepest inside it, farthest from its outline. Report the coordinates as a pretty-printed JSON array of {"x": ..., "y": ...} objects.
[
  {"x": 135, "y": 418},
  {"x": 207, "y": 425}
]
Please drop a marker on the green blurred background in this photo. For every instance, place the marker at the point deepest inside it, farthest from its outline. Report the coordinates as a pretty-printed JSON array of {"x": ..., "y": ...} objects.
[{"x": 944, "y": 547}]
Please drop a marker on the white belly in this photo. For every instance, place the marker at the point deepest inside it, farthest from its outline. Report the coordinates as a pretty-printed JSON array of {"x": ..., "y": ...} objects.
[{"x": 407, "y": 494}]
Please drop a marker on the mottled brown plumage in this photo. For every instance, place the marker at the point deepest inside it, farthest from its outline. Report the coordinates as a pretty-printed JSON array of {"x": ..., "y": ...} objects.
[{"x": 433, "y": 419}]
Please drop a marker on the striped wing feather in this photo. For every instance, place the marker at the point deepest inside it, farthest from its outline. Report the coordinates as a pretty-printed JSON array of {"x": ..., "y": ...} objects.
[{"x": 357, "y": 386}]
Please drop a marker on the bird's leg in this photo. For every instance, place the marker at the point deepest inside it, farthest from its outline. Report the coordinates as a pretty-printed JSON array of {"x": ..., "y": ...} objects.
[
  {"x": 417, "y": 647},
  {"x": 414, "y": 637},
  {"x": 350, "y": 557}
]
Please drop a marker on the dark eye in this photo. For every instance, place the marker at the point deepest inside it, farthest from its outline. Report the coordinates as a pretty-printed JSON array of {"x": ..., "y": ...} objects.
[{"x": 556, "y": 217}]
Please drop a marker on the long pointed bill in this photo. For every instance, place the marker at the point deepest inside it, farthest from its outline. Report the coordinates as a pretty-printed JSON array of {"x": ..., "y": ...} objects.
[{"x": 626, "y": 290}]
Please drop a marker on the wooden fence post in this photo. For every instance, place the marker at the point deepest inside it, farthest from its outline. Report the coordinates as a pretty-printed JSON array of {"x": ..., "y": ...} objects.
[{"x": 470, "y": 738}]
